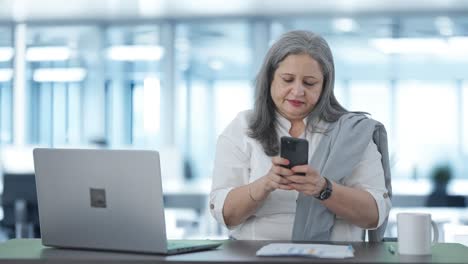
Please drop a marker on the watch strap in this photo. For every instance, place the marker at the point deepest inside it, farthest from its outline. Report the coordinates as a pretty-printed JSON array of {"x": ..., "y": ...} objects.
[{"x": 326, "y": 192}]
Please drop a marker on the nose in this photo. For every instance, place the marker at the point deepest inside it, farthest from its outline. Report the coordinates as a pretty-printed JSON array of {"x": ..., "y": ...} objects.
[{"x": 298, "y": 89}]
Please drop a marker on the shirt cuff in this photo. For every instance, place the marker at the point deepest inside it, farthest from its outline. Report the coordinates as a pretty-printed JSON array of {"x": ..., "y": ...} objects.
[
  {"x": 217, "y": 199},
  {"x": 383, "y": 205}
]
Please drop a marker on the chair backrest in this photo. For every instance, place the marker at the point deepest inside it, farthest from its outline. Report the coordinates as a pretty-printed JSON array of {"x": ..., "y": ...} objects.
[
  {"x": 19, "y": 189},
  {"x": 19, "y": 199},
  {"x": 380, "y": 139}
]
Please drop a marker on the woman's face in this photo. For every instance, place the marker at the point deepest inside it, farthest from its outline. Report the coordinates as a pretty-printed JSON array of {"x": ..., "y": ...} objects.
[{"x": 297, "y": 85}]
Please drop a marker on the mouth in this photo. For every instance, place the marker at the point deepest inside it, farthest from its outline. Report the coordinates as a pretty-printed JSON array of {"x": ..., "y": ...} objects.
[{"x": 295, "y": 103}]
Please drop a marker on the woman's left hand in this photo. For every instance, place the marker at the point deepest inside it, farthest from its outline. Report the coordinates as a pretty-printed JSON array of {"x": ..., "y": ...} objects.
[{"x": 310, "y": 184}]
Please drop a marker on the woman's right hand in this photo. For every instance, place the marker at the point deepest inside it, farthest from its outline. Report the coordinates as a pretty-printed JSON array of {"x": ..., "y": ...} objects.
[{"x": 261, "y": 188}]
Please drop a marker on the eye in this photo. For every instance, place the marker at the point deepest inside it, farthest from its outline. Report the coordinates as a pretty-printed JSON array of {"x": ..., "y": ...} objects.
[
  {"x": 288, "y": 80},
  {"x": 310, "y": 83}
]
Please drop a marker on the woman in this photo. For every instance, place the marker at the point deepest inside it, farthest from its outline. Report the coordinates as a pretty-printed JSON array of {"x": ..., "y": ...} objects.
[{"x": 255, "y": 197}]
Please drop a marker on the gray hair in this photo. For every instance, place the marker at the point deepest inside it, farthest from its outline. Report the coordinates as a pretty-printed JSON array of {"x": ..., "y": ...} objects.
[{"x": 262, "y": 126}]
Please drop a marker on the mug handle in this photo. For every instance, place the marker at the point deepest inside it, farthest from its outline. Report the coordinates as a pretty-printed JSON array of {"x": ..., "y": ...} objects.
[{"x": 435, "y": 231}]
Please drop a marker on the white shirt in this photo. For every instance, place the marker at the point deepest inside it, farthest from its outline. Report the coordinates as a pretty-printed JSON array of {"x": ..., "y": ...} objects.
[{"x": 241, "y": 160}]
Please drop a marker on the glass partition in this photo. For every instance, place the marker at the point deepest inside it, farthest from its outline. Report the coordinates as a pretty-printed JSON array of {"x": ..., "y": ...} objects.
[
  {"x": 134, "y": 82},
  {"x": 174, "y": 85},
  {"x": 405, "y": 71},
  {"x": 214, "y": 74},
  {"x": 6, "y": 83},
  {"x": 426, "y": 128},
  {"x": 61, "y": 76},
  {"x": 463, "y": 137}
]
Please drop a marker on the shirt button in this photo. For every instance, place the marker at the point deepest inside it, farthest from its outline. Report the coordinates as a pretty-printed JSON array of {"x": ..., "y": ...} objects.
[
  {"x": 211, "y": 206},
  {"x": 385, "y": 195}
]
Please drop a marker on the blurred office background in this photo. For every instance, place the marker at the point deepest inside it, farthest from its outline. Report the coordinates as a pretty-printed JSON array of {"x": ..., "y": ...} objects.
[{"x": 170, "y": 75}]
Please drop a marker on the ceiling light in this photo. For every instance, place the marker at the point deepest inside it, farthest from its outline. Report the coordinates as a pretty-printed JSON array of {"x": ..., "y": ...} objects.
[
  {"x": 410, "y": 45},
  {"x": 59, "y": 75},
  {"x": 216, "y": 65},
  {"x": 6, "y": 75},
  {"x": 345, "y": 25},
  {"x": 444, "y": 25},
  {"x": 50, "y": 53},
  {"x": 6, "y": 53},
  {"x": 135, "y": 53}
]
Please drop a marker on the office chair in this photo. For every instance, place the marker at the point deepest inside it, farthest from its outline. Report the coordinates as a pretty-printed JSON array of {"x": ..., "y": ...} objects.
[
  {"x": 380, "y": 139},
  {"x": 19, "y": 202}
]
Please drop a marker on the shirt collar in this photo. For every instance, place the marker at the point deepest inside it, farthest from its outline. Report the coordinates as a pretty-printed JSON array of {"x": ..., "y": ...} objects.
[{"x": 284, "y": 123}]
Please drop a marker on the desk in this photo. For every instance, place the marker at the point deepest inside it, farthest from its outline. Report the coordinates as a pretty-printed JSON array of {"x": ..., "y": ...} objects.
[{"x": 32, "y": 251}]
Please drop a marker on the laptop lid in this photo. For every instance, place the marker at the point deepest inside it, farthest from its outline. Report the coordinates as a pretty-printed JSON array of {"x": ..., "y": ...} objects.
[{"x": 100, "y": 199}]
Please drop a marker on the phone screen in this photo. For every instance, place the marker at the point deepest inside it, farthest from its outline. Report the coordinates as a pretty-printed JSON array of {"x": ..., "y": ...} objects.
[{"x": 296, "y": 150}]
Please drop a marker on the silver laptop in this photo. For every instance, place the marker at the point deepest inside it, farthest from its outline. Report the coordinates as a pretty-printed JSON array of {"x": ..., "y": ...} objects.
[{"x": 104, "y": 199}]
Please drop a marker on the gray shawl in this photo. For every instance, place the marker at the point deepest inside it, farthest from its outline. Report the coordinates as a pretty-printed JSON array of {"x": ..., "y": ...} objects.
[{"x": 339, "y": 151}]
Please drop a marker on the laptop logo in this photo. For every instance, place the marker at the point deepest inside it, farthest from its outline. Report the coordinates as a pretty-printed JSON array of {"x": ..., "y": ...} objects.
[{"x": 98, "y": 198}]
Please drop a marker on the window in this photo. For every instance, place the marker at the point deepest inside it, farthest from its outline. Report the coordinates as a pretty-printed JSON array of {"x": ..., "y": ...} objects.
[
  {"x": 6, "y": 98},
  {"x": 342, "y": 93},
  {"x": 464, "y": 119},
  {"x": 371, "y": 97},
  {"x": 426, "y": 126},
  {"x": 231, "y": 97},
  {"x": 214, "y": 74},
  {"x": 134, "y": 54},
  {"x": 178, "y": 83},
  {"x": 146, "y": 112},
  {"x": 424, "y": 118},
  {"x": 6, "y": 89},
  {"x": 61, "y": 71}
]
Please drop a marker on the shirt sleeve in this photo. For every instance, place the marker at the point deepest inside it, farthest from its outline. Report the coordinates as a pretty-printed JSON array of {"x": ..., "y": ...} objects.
[
  {"x": 231, "y": 169},
  {"x": 369, "y": 175}
]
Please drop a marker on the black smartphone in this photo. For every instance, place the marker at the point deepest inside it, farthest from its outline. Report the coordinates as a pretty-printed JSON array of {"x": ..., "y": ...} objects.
[{"x": 296, "y": 150}]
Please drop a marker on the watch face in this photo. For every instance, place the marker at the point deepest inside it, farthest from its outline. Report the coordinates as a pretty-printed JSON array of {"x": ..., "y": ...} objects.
[{"x": 325, "y": 194}]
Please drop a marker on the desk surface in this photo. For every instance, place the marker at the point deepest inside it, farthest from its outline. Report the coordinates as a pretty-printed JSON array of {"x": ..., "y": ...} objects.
[{"x": 31, "y": 250}]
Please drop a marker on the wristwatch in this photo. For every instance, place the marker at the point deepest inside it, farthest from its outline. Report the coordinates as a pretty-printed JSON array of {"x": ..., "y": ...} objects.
[{"x": 326, "y": 192}]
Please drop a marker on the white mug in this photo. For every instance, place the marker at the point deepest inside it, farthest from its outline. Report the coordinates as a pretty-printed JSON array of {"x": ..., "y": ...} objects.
[{"x": 414, "y": 233}]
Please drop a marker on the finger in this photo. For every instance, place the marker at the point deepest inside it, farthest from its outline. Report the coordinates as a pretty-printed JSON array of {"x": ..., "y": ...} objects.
[
  {"x": 301, "y": 169},
  {"x": 280, "y": 179},
  {"x": 282, "y": 171},
  {"x": 306, "y": 170},
  {"x": 297, "y": 179},
  {"x": 279, "y": 161}
]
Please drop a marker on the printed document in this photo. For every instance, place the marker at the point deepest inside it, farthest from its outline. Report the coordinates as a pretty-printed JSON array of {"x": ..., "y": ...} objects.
[{"x": 307, "y": 250}]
